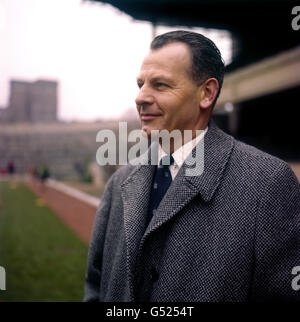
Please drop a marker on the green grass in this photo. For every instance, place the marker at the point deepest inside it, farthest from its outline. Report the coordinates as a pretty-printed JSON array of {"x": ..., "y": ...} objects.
[{"x": 44, "y": 259}]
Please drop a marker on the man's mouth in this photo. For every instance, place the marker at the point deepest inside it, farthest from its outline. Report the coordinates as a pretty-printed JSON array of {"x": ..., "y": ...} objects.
[{"x": 149, "y": 116}]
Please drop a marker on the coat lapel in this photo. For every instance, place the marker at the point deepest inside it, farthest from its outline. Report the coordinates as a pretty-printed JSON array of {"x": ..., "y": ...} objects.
[
  {"x": 135, "y": 192},
  {"x": 217, "y": 150}
]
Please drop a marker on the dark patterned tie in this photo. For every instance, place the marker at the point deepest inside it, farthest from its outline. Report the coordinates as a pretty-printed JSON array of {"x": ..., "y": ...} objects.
[{"x": 161, "y": 182}]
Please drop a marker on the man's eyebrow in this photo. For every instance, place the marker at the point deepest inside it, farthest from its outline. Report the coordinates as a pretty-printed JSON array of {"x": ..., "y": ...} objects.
[
  {"x": 155, "y": 78},
  {"x": 160, "y": 77}
]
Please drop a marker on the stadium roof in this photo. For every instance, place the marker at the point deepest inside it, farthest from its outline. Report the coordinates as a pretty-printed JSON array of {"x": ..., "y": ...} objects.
[{"x": 261, "y": 27}]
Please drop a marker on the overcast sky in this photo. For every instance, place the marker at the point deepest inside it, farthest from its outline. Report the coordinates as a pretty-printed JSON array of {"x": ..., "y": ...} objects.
[{"x": 93, "y": 50}]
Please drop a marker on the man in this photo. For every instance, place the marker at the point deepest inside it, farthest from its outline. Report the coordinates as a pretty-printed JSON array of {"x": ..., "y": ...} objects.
[{"x": 231, "y": 233}]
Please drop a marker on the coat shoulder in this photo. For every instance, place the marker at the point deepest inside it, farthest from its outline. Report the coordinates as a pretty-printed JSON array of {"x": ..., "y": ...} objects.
[
  {"x": 253, "y": 158},
  {"x": 258, "y": 167},
  {"x": 246, "y": 161}
]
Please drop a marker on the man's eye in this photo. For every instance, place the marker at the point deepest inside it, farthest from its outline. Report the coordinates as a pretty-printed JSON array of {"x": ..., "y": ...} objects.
[
  {"x": 160, "y": 84},
  {"x": 139, "y": 85}
]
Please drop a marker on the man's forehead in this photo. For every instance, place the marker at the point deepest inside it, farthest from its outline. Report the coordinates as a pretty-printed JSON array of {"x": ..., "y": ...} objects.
[
  {"x": 170, "y": 52},
  {"x": 167, "y": 59}
]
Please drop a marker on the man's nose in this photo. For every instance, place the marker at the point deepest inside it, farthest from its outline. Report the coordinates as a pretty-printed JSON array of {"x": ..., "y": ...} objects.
[{"x": 144, "y": 97}]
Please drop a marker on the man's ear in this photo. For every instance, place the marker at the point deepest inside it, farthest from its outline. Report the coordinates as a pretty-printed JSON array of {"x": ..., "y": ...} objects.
[{"x": 208, "y": 92}]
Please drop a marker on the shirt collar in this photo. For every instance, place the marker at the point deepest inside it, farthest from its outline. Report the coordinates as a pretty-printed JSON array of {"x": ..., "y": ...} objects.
[{"x": 183, "y": 152}]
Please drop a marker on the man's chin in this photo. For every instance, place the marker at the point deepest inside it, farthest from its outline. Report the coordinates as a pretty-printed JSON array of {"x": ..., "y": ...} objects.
[
  {"x": 147, "y": 130},
  {"x": 145, "y": 133}
]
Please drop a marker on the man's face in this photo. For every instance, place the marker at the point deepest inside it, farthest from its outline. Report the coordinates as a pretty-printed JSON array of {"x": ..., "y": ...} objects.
[{"x": 168, "y": 97}]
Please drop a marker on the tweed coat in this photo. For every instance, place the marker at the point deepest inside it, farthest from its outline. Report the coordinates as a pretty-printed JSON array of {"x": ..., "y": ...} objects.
[{"x": 230, "y": 234}]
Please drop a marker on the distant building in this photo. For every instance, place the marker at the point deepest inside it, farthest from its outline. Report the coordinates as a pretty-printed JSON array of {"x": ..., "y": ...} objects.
[{"x": 31, "y": 102}]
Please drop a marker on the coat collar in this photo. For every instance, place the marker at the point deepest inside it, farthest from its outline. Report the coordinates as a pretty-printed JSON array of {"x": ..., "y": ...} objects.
[
  {"x": 217, "y": 147},
  {"x": 217, "y": 150},
  {"x": 137, "y": 187}
]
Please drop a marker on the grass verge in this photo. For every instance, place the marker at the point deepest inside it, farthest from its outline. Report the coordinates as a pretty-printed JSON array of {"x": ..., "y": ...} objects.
[{"x": 44, "y": 259}]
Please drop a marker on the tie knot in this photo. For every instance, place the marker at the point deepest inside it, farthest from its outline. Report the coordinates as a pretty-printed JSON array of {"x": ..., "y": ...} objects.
[{"x": 166, "y": 160}]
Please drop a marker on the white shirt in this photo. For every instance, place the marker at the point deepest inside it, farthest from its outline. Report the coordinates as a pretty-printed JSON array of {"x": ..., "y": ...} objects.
[{"x": 181, "y": 154}]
